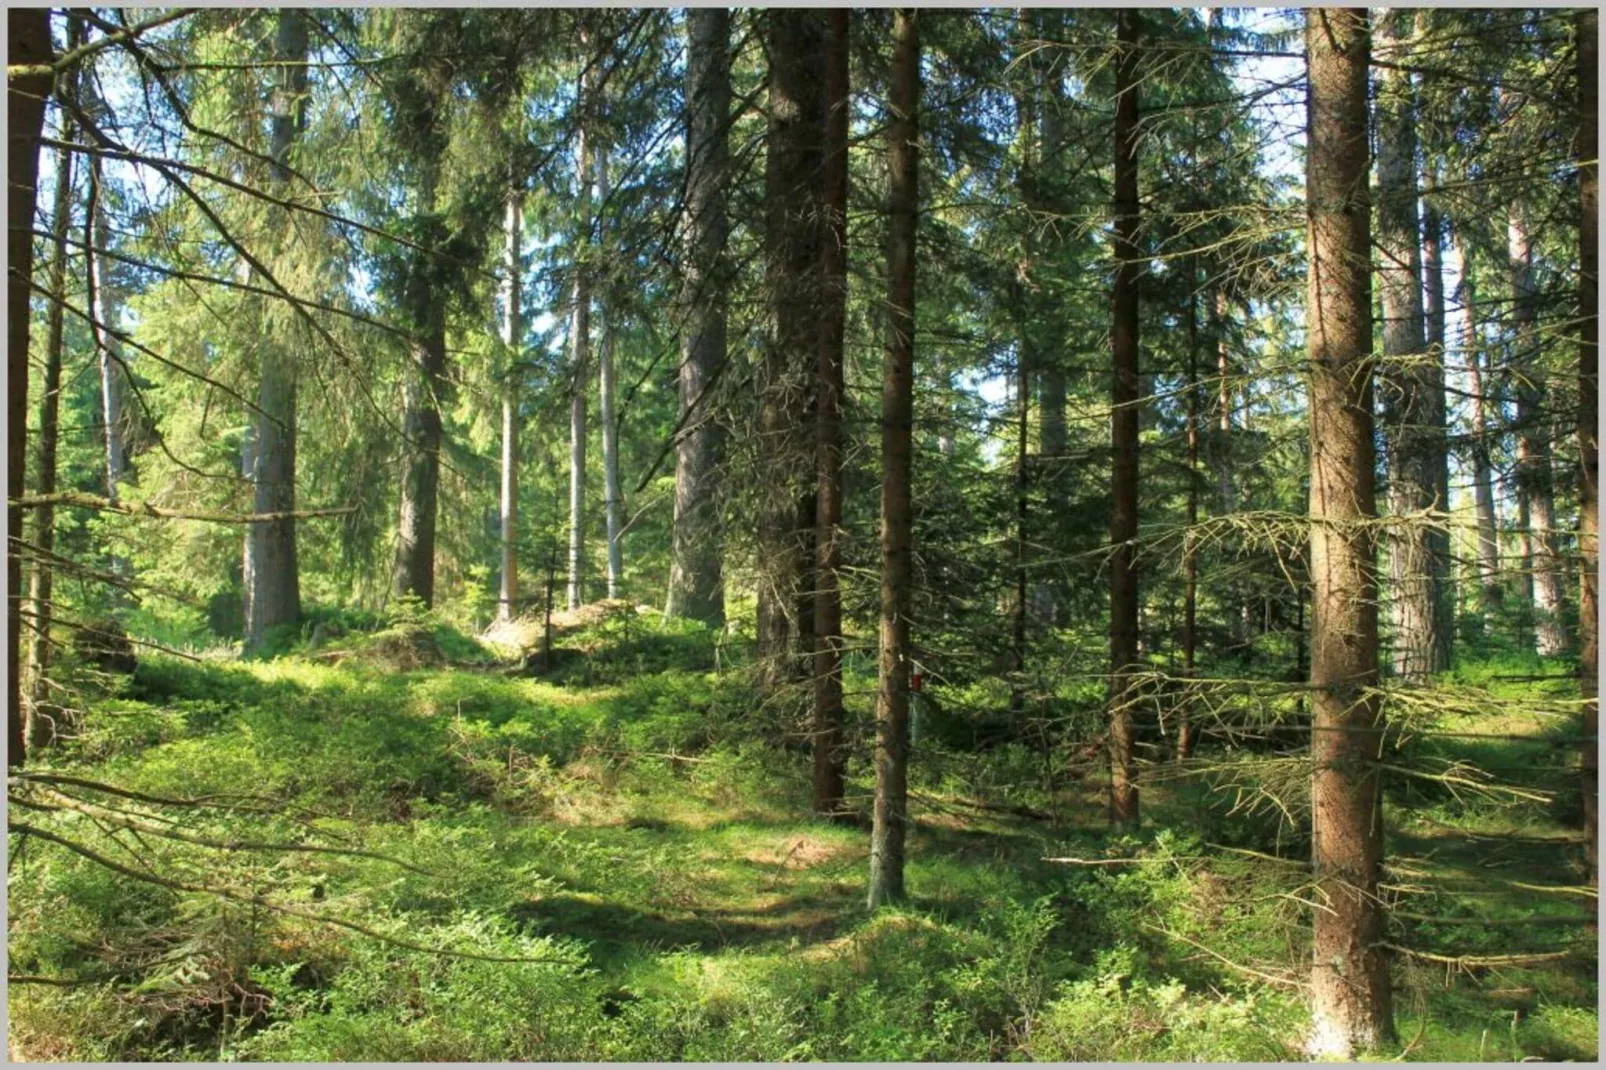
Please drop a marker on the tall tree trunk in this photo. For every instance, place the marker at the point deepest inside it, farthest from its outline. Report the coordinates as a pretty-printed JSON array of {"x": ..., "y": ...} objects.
[
  {"x": 105, "y": 308},
  {"x": 1351, "y": 1003},
  {"x": 696, "y": 587},
  {"x": 1587, "y": 24},
  {"x": 1018, "y": 608},
  {"x": 613, "y": 499},
  {"x": 1436, "y": 418},
  {"x": 1490, "y": 590},
  {"x": 28, "y": 31},
  {"x": 897, "y": 426},
  {"x": 1190, "y": 558},
  {"x": 828, "y": 756},
  {"x": 1226, "y": 485},
  {"x": 1407, "y": 381},
  {"x": 1535, "y": 482},
  {"x": 414, "y": 572},
  {"x": 580, "y": 354},
  {"x": 1049, "y": 369},
  {"x": 507, "y": 603},
  {"x": 40, "y": 710},
  {"x": 793, "y": 236},
  {"x": 1124, "y": 434},
  {"x": 276, "y": 585}
]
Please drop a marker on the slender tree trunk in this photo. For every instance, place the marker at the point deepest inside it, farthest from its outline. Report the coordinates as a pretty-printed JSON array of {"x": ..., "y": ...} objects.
[
  {"x": 276, "y": 595},
  {"x": 1023, "y": 501},
  {"x": 1124, "y": 434},
  {"x": 1049, "y": 366},
  {"x": 1435, "y": 417},
  {"x": 897, "y": 420},
  {"x": 1027, "y": 310},
  {"x": 507, "y": 604},
  {"x": 580, "y": 359},
  {"x": 41, "y": 721},
  {"x": 1535, "y": 482},
  {"x": 28, "y": 31},
  {"x": 1190, "y": 559},
  {"x": 613, "y": 499},
  {"x": 1225, "y": 490},
  {"x": 105, "y": 307},
  {"x": 792, "y": 246},
  {"x": 105, "y": 303},
  {"x": 1490, "y": 591},
  {"x": 828, "y": 756},
  {"x": 414, "y": 572},
  {"x": 696, "y": 587},
  {"x": 1226, "y": 485},
  {"x": 1351, "y": 1003},
  {"x": 1406, "y": 381},
  {"x": 1587, "y": 24}
]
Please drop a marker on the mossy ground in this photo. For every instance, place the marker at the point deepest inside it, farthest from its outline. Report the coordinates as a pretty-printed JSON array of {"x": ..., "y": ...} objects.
[{"x": 624, "y": 823}]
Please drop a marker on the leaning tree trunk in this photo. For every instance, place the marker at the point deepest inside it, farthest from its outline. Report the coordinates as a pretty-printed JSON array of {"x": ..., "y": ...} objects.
[
  {"x": 507, "y": 603},
  {"x": 792, "y": 245},
  {"x": 828, "y": 714},
  {"x": 1351, "y": 1003},
  {"x": 29, "y": 43},
  {"x": 696, "y": 588},
  {"x": 890, "y": 815},
  {"x": 1408, "y": 376},
  {"x": 580, "y": 358},
  {"x": 1124, "y": 435},
  {"x": 1535, "y": 481},
  {"x": 275, "y": 598},
  {"x": 414, "y": 572},
  {"x": 612, "y": 499},
  {"x": 1588, "y": 148},
  {"x": 41, "y": 724}
]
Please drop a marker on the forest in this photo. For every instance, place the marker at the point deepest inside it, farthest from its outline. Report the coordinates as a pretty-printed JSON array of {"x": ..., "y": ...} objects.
[{"x": 778, "y": 534}]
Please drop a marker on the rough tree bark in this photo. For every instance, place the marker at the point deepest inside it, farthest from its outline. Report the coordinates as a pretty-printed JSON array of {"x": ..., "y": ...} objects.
[
  {"x": 507, "y": 603},
  {"x": 1351, "y": 1003},
  {"x": 1543, "y": 572},
  {"x": 275, "y": 577},
  {"x": 612, "y": 497},
  {"x": 1407, "y": 377},
  {"x": 696, "y": 587},
  {"x": 41, "y": 722},
  {"x": 1587, "y": 24},
  {"x": 897, "y": 418},
  {"x": 28, "y": 31},
  {"x": 1124, "y": 433},
  {"x": 828, "y": 714},
  {"x": 793, "y": 235}
]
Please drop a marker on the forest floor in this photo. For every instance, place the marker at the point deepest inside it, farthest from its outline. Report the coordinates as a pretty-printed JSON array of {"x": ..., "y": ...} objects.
[{"x": 619, "y": 866}]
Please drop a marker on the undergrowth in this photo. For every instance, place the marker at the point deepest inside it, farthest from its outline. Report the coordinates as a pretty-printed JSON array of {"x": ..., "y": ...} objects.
[{"x": 612, "y": 862}]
